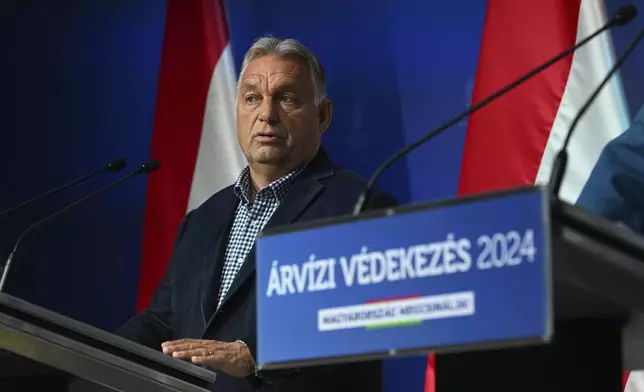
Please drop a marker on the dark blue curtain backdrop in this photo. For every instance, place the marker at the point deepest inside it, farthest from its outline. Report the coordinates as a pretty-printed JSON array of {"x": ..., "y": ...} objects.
[
  {"x": 79, "y": 83},
  {"x": 78, "y": 90}
]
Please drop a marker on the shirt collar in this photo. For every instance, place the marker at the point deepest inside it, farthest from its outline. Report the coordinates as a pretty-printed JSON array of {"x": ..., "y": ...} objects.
[{"x": 277, "y": 189}]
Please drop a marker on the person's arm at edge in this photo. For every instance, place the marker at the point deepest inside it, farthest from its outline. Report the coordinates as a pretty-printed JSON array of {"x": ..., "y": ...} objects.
[{"x": 615, "y": 188}]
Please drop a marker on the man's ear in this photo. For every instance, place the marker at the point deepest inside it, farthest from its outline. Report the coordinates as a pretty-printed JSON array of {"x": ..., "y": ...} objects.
[{"x": 325, "y": 113}]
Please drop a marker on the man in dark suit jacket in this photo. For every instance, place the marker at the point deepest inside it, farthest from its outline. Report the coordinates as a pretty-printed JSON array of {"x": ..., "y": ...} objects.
[{"x": 204, "y": 308}]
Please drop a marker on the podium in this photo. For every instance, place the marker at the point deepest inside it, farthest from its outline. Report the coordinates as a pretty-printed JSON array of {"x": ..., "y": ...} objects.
[
  {"x": 534, "y": 295},
  {"x": 66, "y": 355},
  {"x": 598, "y": 281}
]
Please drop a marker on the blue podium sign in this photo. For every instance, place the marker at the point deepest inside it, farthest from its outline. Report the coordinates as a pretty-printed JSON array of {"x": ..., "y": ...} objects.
[{"x": 452, "y": 276}]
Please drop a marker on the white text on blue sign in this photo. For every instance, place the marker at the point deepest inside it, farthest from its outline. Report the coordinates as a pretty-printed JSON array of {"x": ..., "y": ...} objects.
[{"x": 450, "y": 256}]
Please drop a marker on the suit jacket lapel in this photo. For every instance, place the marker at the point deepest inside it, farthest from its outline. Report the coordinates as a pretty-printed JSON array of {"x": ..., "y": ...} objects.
[
  {"x": 299, "y": 197},
  {"x": 212, "y": 258}
]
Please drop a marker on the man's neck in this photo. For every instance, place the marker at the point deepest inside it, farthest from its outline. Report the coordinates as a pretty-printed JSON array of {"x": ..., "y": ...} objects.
[{"x": 262, "y": 175}]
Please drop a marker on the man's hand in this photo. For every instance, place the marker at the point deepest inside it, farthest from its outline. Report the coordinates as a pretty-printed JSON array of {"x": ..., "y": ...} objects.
[{"x": 231, "y": 358}]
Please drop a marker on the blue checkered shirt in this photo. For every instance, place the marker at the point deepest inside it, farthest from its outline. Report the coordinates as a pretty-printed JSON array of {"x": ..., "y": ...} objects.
[{"x": 250, "y": 218}]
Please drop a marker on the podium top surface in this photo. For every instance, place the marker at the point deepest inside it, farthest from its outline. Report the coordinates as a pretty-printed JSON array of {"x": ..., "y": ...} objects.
[
  {"x": 601, "y": 261},
  {"x": 101, "y": 340}
]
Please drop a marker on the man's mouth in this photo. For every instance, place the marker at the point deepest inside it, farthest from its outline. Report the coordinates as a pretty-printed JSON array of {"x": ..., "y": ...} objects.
[{"x": 267, "y": 137}]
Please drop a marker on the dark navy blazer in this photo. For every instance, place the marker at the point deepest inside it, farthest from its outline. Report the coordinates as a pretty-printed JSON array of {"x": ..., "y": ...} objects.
[{"x": 184, "y": 304}]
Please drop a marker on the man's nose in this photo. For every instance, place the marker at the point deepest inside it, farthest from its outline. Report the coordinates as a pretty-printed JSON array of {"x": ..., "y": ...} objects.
[{"x": 269, "y": 112}]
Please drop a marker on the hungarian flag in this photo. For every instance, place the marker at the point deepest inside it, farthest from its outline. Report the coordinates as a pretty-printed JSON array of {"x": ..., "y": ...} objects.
[
  {"x": 194, "y": 128},
  {"x": 513, "y": 141}
]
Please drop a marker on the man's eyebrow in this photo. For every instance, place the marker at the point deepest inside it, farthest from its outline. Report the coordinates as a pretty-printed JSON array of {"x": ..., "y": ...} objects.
[
  {"x": 249, "y": 86},
  {"x": 288, "y": 86}
]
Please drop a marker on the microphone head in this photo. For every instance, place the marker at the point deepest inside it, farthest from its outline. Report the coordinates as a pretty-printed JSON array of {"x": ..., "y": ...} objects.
[
  {"x": 116, "y": 165},
  {"x": 624, "y": 15},
  {"x": 150, "y": 166}
]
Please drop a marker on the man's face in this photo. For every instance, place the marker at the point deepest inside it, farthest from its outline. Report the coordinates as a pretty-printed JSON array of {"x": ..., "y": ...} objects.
[{"x": 278, "y": 122}]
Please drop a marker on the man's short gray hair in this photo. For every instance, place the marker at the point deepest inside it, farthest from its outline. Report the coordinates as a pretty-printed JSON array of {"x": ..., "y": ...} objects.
[{"x": 267, "y": 46}]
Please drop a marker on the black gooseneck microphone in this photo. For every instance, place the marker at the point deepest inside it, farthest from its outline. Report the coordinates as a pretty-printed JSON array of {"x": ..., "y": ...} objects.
[
  {"x": 114, "y": 166},
  {"x": 623, "y": 15},
  {"x": 146, "y": 168},
  {"x": 561, "y": 159}
]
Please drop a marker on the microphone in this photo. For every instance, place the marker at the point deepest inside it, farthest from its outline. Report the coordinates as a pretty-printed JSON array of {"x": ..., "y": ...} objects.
[
  {"x": 114, "y": 166},
  {"x": 623, "y": 15},
  {"x": 146, "y": 168},
  {"x": 561, "y": 159}
]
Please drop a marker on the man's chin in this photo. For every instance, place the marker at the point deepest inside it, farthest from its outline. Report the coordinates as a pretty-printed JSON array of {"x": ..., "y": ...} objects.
[
  {"x": 270, "y": 154},
  {"x": 271, "y": 159}
]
